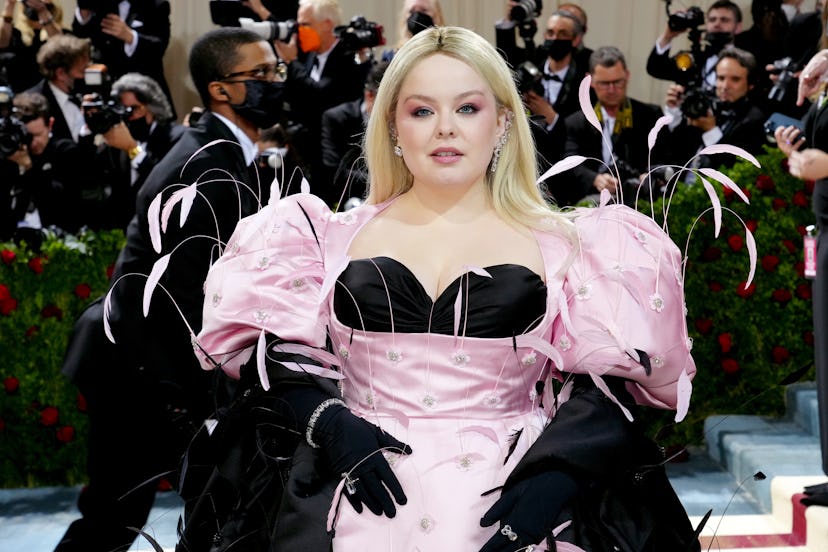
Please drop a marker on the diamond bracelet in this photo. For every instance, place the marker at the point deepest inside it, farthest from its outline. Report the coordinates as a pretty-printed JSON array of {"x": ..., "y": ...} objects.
[{"x": 315, "y": 417}]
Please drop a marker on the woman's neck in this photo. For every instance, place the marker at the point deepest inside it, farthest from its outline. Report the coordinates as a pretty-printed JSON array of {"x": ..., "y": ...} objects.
[{"x": 447, "y": 203}]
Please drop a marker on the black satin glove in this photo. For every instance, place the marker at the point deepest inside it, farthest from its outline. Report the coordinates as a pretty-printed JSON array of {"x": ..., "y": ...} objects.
[
  {"x": 527, "y": 511},
  {"x": 354, "y": 447}
]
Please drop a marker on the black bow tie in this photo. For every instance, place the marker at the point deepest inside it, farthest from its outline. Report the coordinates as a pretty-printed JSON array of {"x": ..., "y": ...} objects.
[{"x": 552, "y": 77}]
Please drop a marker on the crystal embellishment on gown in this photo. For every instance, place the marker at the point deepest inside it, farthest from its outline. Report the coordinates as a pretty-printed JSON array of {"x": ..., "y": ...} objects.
[
  {"x": 344, "y": 352},
  {"x": 429, "y": 400},
  {"x": 260, "y": 316},
  {"x": 583, "y": 292},
  {"x": 263, "y": 263},
  {"x": 529, "y": 359},
  {"x": 656, "y": 302},
  {"x": 658, "y": 361},
  {"x": 393, "y": 356},
  {"x": 297, "y": 284},
  {"x": 564, "y": 344},
  {"x": 460, "y": 358},
  {"x": 216, "y": 299},
  {"x": 426, "y": 524},
  {"x": 464, "y": 462}
]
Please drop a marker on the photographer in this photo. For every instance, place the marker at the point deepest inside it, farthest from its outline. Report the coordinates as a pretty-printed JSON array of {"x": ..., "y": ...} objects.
[
  {"x": 723, "y": 22},
  {"x": 321, "y": 72},
  {"x": 548, "y": 76},
  {"x": 624, "y": 149},
  {"x": 138, "y": 130},
  {"x": 62, "y": 61},
  {"x": 24, "y": 29},
  {"x": 52, "y": 175},
  {"x": 128, "y": 36},
  {"x": 701, "y": 119}
]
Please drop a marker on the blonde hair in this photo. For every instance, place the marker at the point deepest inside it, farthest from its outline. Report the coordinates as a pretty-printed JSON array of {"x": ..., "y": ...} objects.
[
  {"x": 324, "y": 9},
  {"x": 402, "y": 30},
  {"x": 24, "y": 24},
  {"x": 512, "y": 187}
]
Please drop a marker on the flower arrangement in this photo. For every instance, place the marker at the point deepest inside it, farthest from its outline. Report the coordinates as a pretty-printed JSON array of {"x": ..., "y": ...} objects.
[
  {"x": 42, "y": 415},
  {"x": 747, "y": 339}
]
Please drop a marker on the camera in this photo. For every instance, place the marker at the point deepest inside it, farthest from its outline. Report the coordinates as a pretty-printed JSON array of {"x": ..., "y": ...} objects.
[
  {"x": 13, "y": 132},
  {"x": 785, "y": 69},
  {"x": 360, "y": 33},
  {"x": 102, "y": 115},
  {"x": 529, "y": 78},
  {"x": 698, "y": 101},
  {"x": 270, "y": 30},
  {"x": 525, "y": 9},
  {"x": 681, "y": 21}
]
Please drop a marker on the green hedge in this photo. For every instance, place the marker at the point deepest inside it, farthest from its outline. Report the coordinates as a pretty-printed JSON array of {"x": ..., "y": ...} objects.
[
  {"x": 745, "y": 342},
  {"x": 42, "y": 417}
]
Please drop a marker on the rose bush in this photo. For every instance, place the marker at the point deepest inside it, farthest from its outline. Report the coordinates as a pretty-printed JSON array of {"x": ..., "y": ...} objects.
[{"x": 43, "y": 423}]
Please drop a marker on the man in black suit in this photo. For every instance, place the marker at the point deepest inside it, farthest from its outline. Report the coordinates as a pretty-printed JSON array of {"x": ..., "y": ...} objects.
[
  {"x": 133, "y": 147},
  {"x": 322, "y": 72},
  {"x": 624, "y": 150},
  {"x": 730, "y": 117},
  {"x": 723, "y": 22},
  {"x": 147, "y": 395},
  {"x": 128, "y": 36},
  {"x": 342, "y": 129},
  {"x": 62, "y": 61},
  {"x": 554, "y": 94}
]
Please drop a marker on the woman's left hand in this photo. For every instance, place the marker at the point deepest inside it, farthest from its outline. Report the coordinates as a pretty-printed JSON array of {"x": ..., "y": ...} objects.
[{"x": 527, "y": 511}]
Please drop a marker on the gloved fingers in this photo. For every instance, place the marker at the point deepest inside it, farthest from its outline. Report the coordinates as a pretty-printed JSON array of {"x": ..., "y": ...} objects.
[
  {"x": 362, "y": 495},
  {"x": 391, "y": 443},
  {"x": 502, "y": 541},
  {"x": 499, "y": 509},
  {"x": 389, "y": 479},
  {"x": 379, "y": 495}
]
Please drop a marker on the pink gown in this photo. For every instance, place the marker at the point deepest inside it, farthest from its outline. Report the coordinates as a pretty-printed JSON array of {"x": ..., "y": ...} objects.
[{"x": 457, "y": 400}]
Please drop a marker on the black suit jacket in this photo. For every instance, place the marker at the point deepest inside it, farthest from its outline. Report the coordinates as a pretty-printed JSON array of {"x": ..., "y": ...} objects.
[
  {"x": 151, "y": 20},
  {"x": 342, "y": 131},
  {"x": 630, "y": 146},
  {"x": 161, "y": 342},
  {"x": 663, "y": 66},
  {"x": 60, "y": 128},
  {"x": 117, "y": 170}
]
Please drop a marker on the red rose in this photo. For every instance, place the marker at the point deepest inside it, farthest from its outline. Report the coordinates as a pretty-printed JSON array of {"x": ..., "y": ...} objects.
[
  {"x": 36, "y": 265},
  {"x": 65, "y": 434},
  {"x": 789, "y": 245},
  {"x": 31, "y": 331},
  {"x": 751, "y": 225},
  {"x": 735, "y": 242},
  {"x": 4, "y": 293},
  {"x": 715, "y": 286},
  {"x": 765, "y": 183},
  {"x": 778, "y": 204},
  {"x": 800, "y": 199},
  {"x": 781, "y": 295},
  {"x": 83, "y": 291},
  {"x": 730, "y": 366},
  {"x": 49, "y": 416},
  {"x": 809, "y": 187},
  {"x": 712, "y": 254},
  {"x": 803, "y": 291},
  {"x": 728, "y": 193},
  {"x": 8, "y": 306},
  {"x": 780, "y": 354},
  {"x": 800, "y": 268},
  {"x": 801, "y": 230},
  {"x": 11, "y": 384},
  {"x": 8, "y": 256},
  {"x": 808, "y": 338},
  {"x": 769, "y": 262},
  {"x": 51, "y": 311},
  {"x": 81, "y": 403},
  {"x": 743, "y": 292},
  {"x": 784, "y": 164},
  {"x": 725, "y": 342},
  {"x": 109, "y": 270},
  {"x": 704, "y": 325}
]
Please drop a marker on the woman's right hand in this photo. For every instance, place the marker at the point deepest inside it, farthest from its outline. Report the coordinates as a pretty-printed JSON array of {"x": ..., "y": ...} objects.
[{"x": 354, "y": 448}]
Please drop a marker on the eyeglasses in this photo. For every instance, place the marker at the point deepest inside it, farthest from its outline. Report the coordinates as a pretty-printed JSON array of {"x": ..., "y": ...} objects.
[
  {"x": 269, "y": 72},
  {"x": 617, "y": 83}
]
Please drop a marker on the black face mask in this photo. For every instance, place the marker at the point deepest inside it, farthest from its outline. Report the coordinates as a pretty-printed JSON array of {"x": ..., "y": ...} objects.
[
  {"x": 558, "y": 48},
  {"x": 262, "y": 103},
  {"x": 139, "y": 128},
  {"x": 419, "y": 21},
  {"x": 718, "y": 40}
]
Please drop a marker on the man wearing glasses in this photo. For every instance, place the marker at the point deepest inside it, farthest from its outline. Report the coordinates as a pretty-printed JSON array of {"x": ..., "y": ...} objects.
[
  {"x": 147, "y": 395},
  {"x": 621, "y": 145}
]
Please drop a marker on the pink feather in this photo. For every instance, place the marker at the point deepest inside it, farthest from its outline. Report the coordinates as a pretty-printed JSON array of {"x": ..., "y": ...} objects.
[
  {"x": 727, "y": 148},
  {"x": 684, "y": 389},
  {"x": 725, "y": 181},
  {"x": 106, "y": 311},
  {"x": 154, "y": 223},
  {"x": 563, "y": 165},
  {"x": 586, "y": 103},
  {"x": 152, "y": 280},
  {"x": 261, "y": 365},
  {"x": 717, "y": 206},
  {"x": 187, "y": 197},
  {"x": 600, "y": 384},
  {"x": 750, "y": 243},
  {"x": 659, "y": 124}
]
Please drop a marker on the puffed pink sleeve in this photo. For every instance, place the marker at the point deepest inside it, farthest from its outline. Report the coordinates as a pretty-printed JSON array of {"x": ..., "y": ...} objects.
[
  {"x": 269, "y": 279},
  {"x": 623, "y": 297}
]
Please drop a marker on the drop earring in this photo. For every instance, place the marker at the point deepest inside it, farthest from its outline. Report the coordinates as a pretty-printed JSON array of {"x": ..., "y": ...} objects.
[{"x": 397, "y": 150}]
